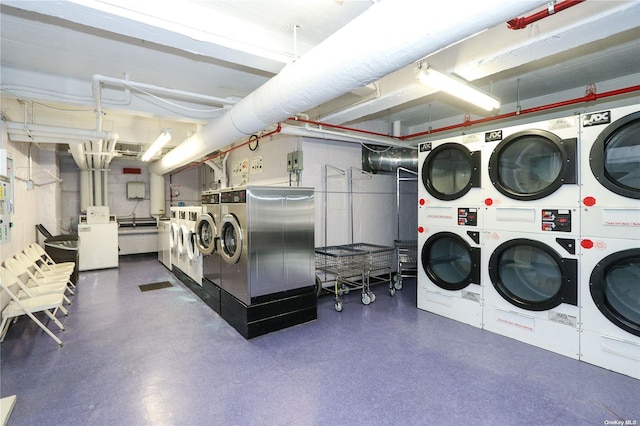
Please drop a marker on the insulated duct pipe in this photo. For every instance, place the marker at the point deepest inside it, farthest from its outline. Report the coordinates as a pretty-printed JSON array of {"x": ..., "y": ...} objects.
[
  {"x": 388, "y": 36},
  {"x": 390, "y": 160},
  {"x": 156, "y": 195}
]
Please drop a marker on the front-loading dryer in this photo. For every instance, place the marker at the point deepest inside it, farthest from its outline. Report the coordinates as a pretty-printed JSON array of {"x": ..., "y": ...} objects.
[
  {"x": 610, "y": 172},
  {"x": 529, "y": 169},
  {"x": 449, "y": 273},
  {"x": 610, "y": 299},
  {"x": 450, "y": 178},
  {"x": 531, "y": 290}
]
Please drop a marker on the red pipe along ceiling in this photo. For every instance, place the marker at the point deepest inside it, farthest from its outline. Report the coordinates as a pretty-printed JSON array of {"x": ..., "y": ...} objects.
[{"x": 523, "y": 22}]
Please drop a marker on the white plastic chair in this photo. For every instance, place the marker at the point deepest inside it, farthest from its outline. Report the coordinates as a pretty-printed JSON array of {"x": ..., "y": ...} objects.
[
  {"x": 17, "y": 307},
  {"x": 33, "y": 254},
  {"x": 48, "y": 260},
  {"x": 41, "y": 273},
  {"x": 25, "y": 292},
  {"x": 23, "y": 274}
]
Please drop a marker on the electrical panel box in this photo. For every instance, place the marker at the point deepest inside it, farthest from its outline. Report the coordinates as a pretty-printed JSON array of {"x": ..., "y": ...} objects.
[
  {"x": 135, "y": 190},
  {"x": 6, "y": 207},
  {"x": 294, "y": 161}
]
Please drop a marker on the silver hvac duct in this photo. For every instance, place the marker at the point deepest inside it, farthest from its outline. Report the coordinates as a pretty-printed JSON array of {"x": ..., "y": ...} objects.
[
  {"x": 388, "y": 160},
  {"x": 390, "y": 35}
]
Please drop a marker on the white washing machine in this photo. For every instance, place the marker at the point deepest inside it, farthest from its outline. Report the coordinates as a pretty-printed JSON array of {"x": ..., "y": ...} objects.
[
  {"x": 174, "y": 231},
  {"x": 450, "y": 178},
  {"x": 183, "y": 234},
  {"x": 449, "y": 273},
  {"x": 194, "y": 257},
  {"x": 531, "y": 290},
  {"x": 530, "y": 169},
  {"x": 610, "y": 299},
  {"x": 610, "y": 173}
]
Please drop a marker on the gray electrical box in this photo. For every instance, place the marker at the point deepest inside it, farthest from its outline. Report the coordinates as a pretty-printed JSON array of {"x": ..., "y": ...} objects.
[
  {"x": 294, "y": 161},
  {"x": 135, "y": 190}
]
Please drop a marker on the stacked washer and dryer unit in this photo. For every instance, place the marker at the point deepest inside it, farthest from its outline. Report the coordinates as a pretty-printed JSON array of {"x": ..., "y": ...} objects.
[
  {"x": 559, "y": 223},
  {"x": 610, "y": 270},
  {"x": 449, "y": 225}
]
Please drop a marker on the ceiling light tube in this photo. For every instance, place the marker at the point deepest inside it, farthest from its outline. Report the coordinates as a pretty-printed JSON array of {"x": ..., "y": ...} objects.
[
  {"x": 157, "y": 145},
  {"x": 458, "y": 88}
]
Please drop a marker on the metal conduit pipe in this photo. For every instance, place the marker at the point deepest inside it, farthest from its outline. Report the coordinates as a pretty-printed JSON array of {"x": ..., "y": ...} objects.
[{"x": 388, "y": 36}]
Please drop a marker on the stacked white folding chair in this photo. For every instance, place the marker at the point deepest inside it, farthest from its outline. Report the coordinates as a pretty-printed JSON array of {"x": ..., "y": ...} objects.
[
  {"x": 40, "y": 272},
  {"x": 46, "y": 303},
  {"x": 29, "y": 279},
  {"x": 25, "y": 292},
  {"x": 48, "y": 262}
]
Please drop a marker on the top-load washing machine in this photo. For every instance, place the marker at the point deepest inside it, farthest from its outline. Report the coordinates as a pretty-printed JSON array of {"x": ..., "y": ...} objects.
[
  {"x": 610, "y": 173},
  {"x": 194, "y": 257},
  {"x": 268, "y": 258},
  {"x": 610, "y": 300},
  {"x": 531, "y": 177},
  {"x": 206, "y": 238}
]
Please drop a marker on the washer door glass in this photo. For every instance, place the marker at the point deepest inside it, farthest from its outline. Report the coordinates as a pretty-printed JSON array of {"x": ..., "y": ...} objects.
[
  {"x": 448, "y": 171},
  {"x": 448, "y": 261},
  {"x": 529, "y": 165},
  {"x": 206, "y": 234},
  {"x": 615, "y": 288},
  {"x": 621, "y": 160},
  {"x": 532, "y": 276},
  {"x": 230, "y": 239}
]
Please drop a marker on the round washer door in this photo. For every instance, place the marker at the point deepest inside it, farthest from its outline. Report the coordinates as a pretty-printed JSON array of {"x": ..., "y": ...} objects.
[
  {"x": 192, "y": 249},
  {"x": 614, "y": 156},
  {"x": 532, "y": 164},
  {"x": 230, "y": 239},
  {"x": 450, "y": 171},
  {"x": 206, "y": 233},
  {"x": 182, "y": 239},
  {"x": 531, "y": 275},
  {"x": 173, "y": 235},
  {"x": 450, "y": 262},
  {"x": 615, "y": 289}
]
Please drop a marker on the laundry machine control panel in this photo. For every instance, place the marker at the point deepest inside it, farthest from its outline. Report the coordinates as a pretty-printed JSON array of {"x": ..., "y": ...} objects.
[
  {"x": 235, "y": 197},
  {"x": 467, "y": 216},
  {"x": 556, "y": 220}
]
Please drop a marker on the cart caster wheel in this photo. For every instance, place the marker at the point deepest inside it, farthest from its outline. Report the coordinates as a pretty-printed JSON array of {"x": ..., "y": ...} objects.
[
  {"x": 344, "y": 288},
  {"x": 338, "y": 306},
  {"x": 365, "y": 299},
  {"x": 398, "y": 285},
  {"x": 372, "y": 296},
  {"x": 318, "y": 287},
  {"x": 392, "y": 291}
]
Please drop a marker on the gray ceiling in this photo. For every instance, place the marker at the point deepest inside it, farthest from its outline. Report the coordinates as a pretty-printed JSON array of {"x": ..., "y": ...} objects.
[{"x": 51, "y": 49}]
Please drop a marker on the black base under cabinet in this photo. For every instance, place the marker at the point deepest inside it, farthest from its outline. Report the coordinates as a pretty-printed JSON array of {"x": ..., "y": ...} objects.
[
  {"x": 265, "y": 314},
  {"x": 271, "y": 312}
]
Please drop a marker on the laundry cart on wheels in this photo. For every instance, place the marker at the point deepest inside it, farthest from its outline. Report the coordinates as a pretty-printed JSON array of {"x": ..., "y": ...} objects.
[
  {"x": 377, "y": 265},
  {"x": 340, "y": 269},
  {"x": 407, "y": 257}
]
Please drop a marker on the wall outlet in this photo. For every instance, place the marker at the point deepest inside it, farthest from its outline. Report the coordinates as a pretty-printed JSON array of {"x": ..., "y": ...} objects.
[{"x": 256, "y": 165}]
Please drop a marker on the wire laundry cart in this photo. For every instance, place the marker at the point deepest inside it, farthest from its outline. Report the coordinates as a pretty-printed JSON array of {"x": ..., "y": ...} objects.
[
  {"x": 407, "y": 256},
  {"x": 377, "y": 265},
  {"x": 344, "y": 267}
]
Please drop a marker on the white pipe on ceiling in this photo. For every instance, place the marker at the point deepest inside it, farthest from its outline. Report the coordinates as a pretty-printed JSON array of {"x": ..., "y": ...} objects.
[
  {"x": 98, "y": 78},
  {"x": 390, "y": 35}
]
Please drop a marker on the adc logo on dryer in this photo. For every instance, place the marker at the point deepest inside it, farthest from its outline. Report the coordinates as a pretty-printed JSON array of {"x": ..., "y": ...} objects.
[
  {"x": 496, "y": 135},
  {"x": 596, "y": 118}
]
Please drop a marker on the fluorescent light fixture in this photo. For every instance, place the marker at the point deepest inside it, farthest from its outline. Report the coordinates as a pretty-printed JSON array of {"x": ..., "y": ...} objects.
[
  {"x": 458, "y": 88},
  {"x": 157, "y": 145}
]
